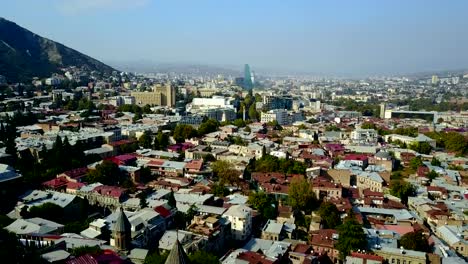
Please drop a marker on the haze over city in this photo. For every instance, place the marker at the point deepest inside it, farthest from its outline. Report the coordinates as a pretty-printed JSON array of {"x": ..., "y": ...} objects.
[
  {"x": 355, "y": 38},
  {"x": 233, "y": 132}
]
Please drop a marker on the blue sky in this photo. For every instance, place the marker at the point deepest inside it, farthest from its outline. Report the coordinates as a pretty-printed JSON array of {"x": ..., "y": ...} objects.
[{"x": 328, "y": 36}]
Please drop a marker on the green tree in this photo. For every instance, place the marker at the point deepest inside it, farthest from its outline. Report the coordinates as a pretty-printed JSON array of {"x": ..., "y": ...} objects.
[
  {"x": 368, "y": 125},
  {"x": 415, "y": 163},
  {"x": 421, "y": 147},
  {"x": 203, "y": 257},
  {"x": 415, "y": 241},
  {"x": 300, "y": 194},
  {"x": 456, "y": 142},
  {"x": 330, "y": 215},
  {"x": 161, "y": 141},
  {"x": 402, "y": 190},
  {"x": 253, "y": 114},
  {"x": 183, "y": 132},
  {"x": 106, "y": 173},
  {"x": 264, "y": 204},
  {"x": 225, "y": 171},
  {"x": 435, "y": 162},
  {"x": 432, "y": 175},
  {"x": 171, "y": 201},
  {"x": 209, "y": 126},
  {"x": 351, "y": 237},
  {"x": 83, "y": 250},
  {"x": 49, "y": 211},
  {"x": 145, "y": 139},
  {"x": 156, "y": 258},
  {"x": 219, "y": 190}
]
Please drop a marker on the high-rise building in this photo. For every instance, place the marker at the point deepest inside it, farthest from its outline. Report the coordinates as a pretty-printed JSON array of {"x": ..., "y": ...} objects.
[
  {"x": 248, "y": 84},
  {"x": 383, "y": 108},
  {"x": 435, "y": 79}
]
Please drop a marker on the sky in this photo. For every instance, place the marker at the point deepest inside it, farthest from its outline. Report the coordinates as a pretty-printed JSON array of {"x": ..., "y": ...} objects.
[{"x": 362, "y": 37}]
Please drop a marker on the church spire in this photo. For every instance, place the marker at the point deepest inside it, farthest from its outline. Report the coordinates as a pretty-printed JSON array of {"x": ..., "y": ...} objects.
[{"x": 177, "y": 254}]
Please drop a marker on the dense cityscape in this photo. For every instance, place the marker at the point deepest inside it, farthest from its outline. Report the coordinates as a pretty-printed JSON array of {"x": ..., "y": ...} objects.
[{"x": 235, "y": 166}]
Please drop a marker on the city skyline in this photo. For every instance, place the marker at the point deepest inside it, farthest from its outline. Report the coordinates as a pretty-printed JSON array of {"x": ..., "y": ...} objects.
[{"x": 329, "y": 38}]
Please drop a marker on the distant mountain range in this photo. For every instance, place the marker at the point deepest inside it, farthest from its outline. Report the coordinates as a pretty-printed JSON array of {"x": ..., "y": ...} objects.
[{"x": 24, "y": 55}]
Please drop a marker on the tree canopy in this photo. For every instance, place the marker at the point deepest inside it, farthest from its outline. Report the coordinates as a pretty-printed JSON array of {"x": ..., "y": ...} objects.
[
  {"x": 226, "y": 172},
  {"x": 351, "y": 237},
  {"x": 106, "y": 173},
  {"x": 183, "y": 132},
  {"x": 402, "y": 190},
  {"x": 415, "y": 241},
  {"x": 330, "y": 215},
  {"x": 270, "y": 163},
  {"x": 300, "y": 194},
  {"x": 264, "y": 204},
  {"x": 421, "y": 147}
]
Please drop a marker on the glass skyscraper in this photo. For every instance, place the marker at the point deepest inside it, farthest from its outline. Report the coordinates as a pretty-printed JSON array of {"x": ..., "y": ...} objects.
[{"x": 248, "y": 85}]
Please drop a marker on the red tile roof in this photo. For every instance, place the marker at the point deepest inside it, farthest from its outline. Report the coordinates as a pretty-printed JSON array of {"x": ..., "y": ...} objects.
[
  {"x": 361, "y": 157},
  {"x": 163, "y": 211},
  {"x": 113, "y": 191},
  {"x": 367, "y": 256},
  {"x": 56, "y": 183},
  {"x": 254, "y": 258},
  {"x": 76, "y": 173}
]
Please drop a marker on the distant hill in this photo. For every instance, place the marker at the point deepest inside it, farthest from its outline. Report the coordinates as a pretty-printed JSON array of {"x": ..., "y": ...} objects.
[{"x": 24, "y": 55}]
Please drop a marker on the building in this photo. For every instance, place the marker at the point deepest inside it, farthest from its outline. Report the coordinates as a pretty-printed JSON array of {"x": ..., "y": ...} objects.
[
  {"x": 273, "y": 230},
  {"x": 395, "y": 255},
  {"x": 240, "y": 217},
  {"x": 122, "y": 100},
  {"x": 177, "y": 255},
  {"x": 121, "y": 232},
  {"x": 360, "y": 135},
  {"x": 435, "y": 79},
  {"x": 248, "y": 82},
  {"x": 271, "y": 102},
  {"x": 369, "y": 180},
  {"x": 283, "y": 117},
  {"x": 383, "y": 108},
  {"x": 278, "y": 115},
  {"x": 455, "y": 237},
  {"x": 411, "y": 140},
  {"x": 160, "y": 95}
]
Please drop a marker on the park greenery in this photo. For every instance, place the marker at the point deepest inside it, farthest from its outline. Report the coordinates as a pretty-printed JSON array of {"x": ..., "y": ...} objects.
[{"x": 269, "y": 163}]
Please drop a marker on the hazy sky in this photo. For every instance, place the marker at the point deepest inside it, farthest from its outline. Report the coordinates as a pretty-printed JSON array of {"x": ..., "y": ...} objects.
[{"x": 333, "y": 37}]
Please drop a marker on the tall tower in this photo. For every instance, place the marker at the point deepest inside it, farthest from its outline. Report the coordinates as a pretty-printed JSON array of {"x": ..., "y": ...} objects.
[
  {"x": 177, "y": 254},
  {"x": 248, "y": 85},
  {"x": 383, "y": 108},
  {"x": 121, "y": 232}
]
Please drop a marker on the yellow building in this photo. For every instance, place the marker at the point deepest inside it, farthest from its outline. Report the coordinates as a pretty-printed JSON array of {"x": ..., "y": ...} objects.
[
  {"x": 401, "y": 256},
  {"x": 160, "y": 95}
]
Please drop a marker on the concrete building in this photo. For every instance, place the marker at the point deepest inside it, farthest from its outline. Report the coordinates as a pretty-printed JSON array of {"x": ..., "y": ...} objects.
[
  {"x": 395, "y": 255},
  {"x": 160, "y": 95},
  {"x": 240, "y": 217}
]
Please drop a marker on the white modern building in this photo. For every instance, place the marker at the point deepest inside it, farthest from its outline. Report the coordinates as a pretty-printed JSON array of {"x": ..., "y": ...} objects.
[{"x": 240, "y": 217}]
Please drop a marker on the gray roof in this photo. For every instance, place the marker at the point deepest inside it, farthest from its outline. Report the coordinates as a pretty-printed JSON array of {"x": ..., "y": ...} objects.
[
  {"x": 177, "y": 255},
  {"x": 122, "y": 224},
  {"x": 399, "y": 214},
  {"x": 33, "y": 226},
  {"x": 57, "y": 255},
  {"x": 273, "y": 227}
]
